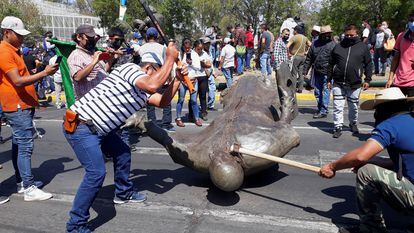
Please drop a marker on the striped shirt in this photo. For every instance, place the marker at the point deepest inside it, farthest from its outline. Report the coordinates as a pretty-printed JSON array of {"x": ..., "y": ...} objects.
[
  {"x": 78, "y": 60},
  {"x": 113, "y": 100}
]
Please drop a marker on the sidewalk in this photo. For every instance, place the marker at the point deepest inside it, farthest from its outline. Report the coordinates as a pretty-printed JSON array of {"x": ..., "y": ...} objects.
[{"x": 306, "y": 95}]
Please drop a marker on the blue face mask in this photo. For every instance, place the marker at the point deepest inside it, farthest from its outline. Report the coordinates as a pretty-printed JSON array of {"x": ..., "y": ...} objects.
[{"x": 411, "y": 26}]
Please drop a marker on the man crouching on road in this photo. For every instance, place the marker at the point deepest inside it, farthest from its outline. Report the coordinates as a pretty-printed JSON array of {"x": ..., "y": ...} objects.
[
  {"x": 390, "y": 180},
  {"x": 101, "y": 112}
]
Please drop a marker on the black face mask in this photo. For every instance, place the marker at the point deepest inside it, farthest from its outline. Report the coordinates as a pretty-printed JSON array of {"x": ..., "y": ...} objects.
[
  {"x": 349, "y": 41},
  {"x": 116, "y": 44},
  {"x": 90, "y": 44},
  {"x": 285, "y": 38}
]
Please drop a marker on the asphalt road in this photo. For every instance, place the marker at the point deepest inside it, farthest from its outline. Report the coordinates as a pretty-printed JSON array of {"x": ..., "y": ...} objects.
[{"x": 280, "y": 199}]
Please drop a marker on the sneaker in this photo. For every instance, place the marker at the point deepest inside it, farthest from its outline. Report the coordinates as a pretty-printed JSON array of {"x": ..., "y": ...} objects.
[
  {"x": 34, "y": 194},
  {"x": 4, "y": 199},
  {"x": 80, "y": 229},
  {"x": 319, "y": 115},
  {"x": 354, "y": 128},
  {"x": 133, "y": 148},
  {"x": 136, "y": 197},
  {"x": 20, "y": 188},
  {"x": 337, "y": 132},
  {"x": 204, "y": 116},
  {"x": 1, "y": 166}
]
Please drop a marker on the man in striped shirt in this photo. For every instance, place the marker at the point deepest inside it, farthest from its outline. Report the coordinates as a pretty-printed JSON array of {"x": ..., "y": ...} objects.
[{"x": 101, "y": 112}]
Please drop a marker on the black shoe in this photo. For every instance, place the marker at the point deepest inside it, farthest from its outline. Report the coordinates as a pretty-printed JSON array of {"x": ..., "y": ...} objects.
[
  {"x": 204, "y": 116},
  {"x": 337, "y": 132},
  {"x": 212, "y": 109},
  {"x": 354, "y": 128},
  {"x": 299, "y": 91},
  {"x": 319, "y": 115}
]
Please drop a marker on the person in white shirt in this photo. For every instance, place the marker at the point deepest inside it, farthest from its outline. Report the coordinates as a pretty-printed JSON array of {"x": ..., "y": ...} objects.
[
  {"x": 290, "y": 24},
  {"x": 191, "y": 58},
  {"x": 227, "y": 61},
  {"x": 57, "y": 79}
]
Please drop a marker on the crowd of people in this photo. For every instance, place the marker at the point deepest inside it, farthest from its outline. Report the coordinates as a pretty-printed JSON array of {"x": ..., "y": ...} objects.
[{"x": 130, "y": 74}]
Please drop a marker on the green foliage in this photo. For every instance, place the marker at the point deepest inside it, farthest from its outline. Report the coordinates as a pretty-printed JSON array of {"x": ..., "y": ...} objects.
[
  {"x": 338, "y": 13},
  {"x": 19, "y": 8},
  {"x": 107, "y": 10}
]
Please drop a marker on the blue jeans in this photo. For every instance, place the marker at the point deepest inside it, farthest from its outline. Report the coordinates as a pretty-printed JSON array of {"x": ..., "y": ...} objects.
[
  {"x": 265, "y": 67},
  {"x": 192, "y": 103},
  {"x": 249, "y": 55},
  {"x": 166, "y": 115},
  {"x": 211, "y": 92},
  {"x": 240, "y": 61},
  {"x": 212, "y": 51},
  {"x": 90, "y": 149},
  {"x": 322, "y": 93},
  {"x": 228, "y": 74},
  {"x": 21, "y": 123}
]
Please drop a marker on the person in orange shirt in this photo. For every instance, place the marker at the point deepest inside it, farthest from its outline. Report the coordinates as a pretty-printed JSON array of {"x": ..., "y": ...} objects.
[{"x": 18, "y": 100}]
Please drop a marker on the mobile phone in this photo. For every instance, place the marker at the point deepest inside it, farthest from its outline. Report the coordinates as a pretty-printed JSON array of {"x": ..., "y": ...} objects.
[
  {"x": 58, "y": 60},
  {"x": 104, "y": 56},
  {"x": 188, "y": 55}
]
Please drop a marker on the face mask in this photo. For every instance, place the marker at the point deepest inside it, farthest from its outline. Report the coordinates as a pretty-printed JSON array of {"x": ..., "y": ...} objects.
[
  {"x": 285, "y": 38},
  {"x": 90, "y": 44},
  {"x": 140, "y": 42},
  {"x": 411, "y": 26},
  {"x": 116, "y": 44},
  {"x": 350, "y": 40}
]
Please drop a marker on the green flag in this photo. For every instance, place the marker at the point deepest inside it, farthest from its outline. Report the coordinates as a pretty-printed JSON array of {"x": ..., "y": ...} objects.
[{"x": 64, "y": 49}]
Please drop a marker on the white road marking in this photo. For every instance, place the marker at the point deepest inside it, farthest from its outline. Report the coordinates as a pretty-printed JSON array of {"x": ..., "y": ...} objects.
[{"x": 228, "y": 215}]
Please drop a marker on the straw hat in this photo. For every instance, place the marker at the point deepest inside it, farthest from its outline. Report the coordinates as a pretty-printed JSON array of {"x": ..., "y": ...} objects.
[
  {"x": 384, "y": 96},
  {"x": 326, "y": 29}
]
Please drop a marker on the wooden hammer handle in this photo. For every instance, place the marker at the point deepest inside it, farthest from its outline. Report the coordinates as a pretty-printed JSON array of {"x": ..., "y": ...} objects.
[
  {"x": 187, "y": 80},
  {"x": 275, "y": 159}
]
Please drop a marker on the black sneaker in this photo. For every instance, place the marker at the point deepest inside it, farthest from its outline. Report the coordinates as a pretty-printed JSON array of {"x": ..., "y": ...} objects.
[
  {"x": 337, "y": 132},
  {"x": 354, "y": 128},
  {"x": 319, "y": 115}
]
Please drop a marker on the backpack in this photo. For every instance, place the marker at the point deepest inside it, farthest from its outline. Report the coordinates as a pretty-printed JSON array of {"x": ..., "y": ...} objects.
[{"x": 240, "y": 50}]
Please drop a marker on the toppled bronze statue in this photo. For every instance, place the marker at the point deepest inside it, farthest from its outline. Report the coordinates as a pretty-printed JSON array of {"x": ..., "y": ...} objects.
[{"x": 257, "y": 114}]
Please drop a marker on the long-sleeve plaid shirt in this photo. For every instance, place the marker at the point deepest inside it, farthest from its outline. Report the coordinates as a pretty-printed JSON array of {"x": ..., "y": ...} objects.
[{"x": 280, "y": 53}]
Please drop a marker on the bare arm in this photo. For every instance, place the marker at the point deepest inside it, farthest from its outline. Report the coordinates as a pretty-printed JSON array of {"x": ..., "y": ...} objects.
[
  {"x": 20, "y": 81},
  {"x": 162, "y": 100},
  {"x": 83, "y": 73},
  {"x": 152, "y": 83},
  {"x": 394, "y": 64},
  {"x": 221, "y": 62},
  {"x": 355, "y": 158}
]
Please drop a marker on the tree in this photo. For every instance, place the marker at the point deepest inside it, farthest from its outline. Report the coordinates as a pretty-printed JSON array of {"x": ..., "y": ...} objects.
[
  {"x": 338, "y": 13},
  {"x": 19, "y": 9}
]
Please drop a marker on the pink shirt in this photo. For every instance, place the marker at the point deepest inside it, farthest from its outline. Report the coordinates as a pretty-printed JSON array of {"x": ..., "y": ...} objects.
[
  {"x": 404, "y": 75},
  {"x": 78, "y": 60}
]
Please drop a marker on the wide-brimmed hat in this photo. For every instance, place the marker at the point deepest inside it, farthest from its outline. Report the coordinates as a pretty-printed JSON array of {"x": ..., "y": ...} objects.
[
  {"x": 15, "y": 24},
  {"x": 385, "y": 96},
  {"x": 326, "y": 29}
]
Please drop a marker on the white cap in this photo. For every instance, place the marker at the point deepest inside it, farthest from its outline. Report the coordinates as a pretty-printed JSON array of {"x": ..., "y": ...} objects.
[
  {"x": 226, "y": 40},
  {"x": 316, "y": 28},
  {"x": 15, "y": 24},
  {"x": 152, "y": 58}
]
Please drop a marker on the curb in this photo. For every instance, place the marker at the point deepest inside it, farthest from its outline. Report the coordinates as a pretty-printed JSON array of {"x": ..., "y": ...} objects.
[{"x": 299, "y": 97}]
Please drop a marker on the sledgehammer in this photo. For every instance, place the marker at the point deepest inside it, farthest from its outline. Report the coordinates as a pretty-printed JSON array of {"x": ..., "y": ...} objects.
[{"x": 238, "y": 149}]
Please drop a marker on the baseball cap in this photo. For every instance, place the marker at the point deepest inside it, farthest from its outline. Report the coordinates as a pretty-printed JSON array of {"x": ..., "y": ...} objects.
[
  {"x": 137, "y": 35},
  {"x": 152, "y": 57},
  {"x": 226, "y": 40},
  {"x": 86, "y": 29},
  {"x": 15, "y": 24},
  {"x": 152, "y": 32}
]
